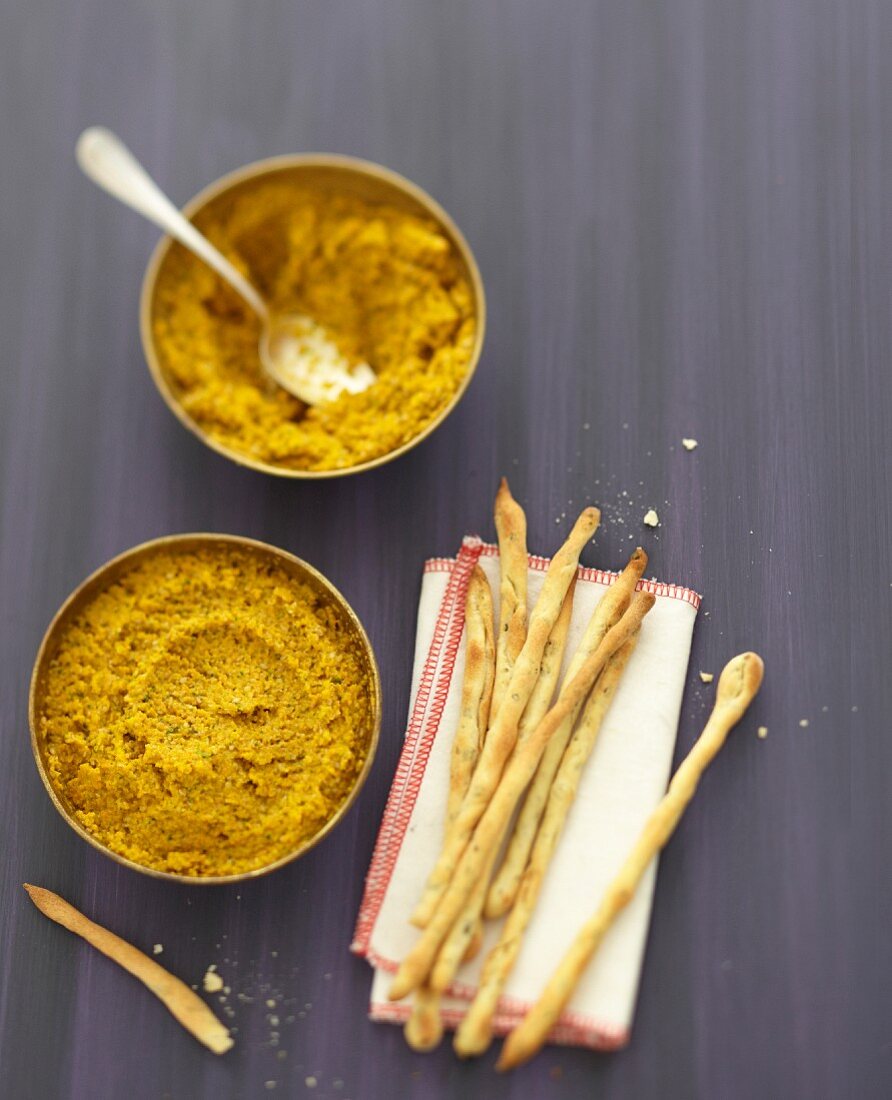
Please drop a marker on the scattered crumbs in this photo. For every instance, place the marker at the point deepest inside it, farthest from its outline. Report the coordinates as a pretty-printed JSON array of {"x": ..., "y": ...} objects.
[
  {"x": 238, "y": 897},
  {"x": 269, "y": 1085},
  {"x": 310, "y": 1082},
  {"x": 281, "y": 1055},
  {"x": 762, "y": 731},
  {"x": 689, "y": 444},
  {"x": 270, "y": 1003},
  {"x": 586, "y": 426},
  {"x": 625, "y": 427},
  {"x": 212, "y": 981},
  {"x": 854, "y": 710},
  {"x": 824, "y": 710},
  {"x": 308, "y": 1005},
  {"x": 275, "y": 954},
  {"x": 651, "y": 519},
  {"x": 227, "y": 990},
  {"x": 274, "y": 1021},
  {"x": 803, "y": 722},
  {"x": 158, "y": 948},
  {"x": 707, "y": 677}
]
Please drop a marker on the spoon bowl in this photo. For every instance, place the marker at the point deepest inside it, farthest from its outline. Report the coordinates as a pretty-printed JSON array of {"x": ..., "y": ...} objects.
[{"x": 303, "y": 358}]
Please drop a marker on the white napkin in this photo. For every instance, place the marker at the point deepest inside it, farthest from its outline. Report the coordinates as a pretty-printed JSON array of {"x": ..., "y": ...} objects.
[{"x": 625, "y": 778}]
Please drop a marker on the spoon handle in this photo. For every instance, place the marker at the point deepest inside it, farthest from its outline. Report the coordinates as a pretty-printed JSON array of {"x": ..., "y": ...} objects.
[{"x": 110, "y": 164}]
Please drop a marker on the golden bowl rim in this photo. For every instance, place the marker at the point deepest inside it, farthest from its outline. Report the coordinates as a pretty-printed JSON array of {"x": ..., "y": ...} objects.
[
  {"x": 144, "y": 549},
  {"x": 269, "y": 165}
]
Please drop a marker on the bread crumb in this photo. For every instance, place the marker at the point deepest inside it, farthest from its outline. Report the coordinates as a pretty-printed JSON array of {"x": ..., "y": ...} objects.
[
  {"x": 270, "y": 1003},
  {"x": 269, "y": 1085},
  {"x": 212, "y": 981},
  {"x": 651, "y": 519},
  {"x": 803, "y": 722},
  {"x": 158, "y": 948},
  {"x": 707, "y": 677},
  {"x": 689, "y": 444},
  {"x": 762, "y": 731},
  {"x": 310, "y": 1082}
]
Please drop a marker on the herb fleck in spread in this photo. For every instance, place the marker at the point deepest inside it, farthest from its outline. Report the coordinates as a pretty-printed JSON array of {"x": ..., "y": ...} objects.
[
  {"x": 388, "y": 285},
  {"x": 206, "y": 713}
]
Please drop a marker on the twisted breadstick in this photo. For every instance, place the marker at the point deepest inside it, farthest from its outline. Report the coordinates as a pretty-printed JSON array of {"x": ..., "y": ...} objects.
[
  {"x": 458, "y": 942},
  {"x": 502, "y": 734},
  {"x": 476, "y": 691},
  {"x": 739, "y": 682},
  {"x": 511, "y": 527},
  {"x": 475, "y": 1032},
  {"x": 417, "y": 964},
  {"x": 424, "y": 1028},
  {"x": 610, "y": 607}
]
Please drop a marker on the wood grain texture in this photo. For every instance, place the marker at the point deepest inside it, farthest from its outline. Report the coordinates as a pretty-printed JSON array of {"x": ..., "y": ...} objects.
[{"x": 682, "y": 215}]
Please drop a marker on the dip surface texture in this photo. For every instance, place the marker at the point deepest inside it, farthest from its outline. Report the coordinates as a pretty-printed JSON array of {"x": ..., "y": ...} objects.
[
  {"x": 206, "y": 713},
  {"x": 388, "y": 285}
]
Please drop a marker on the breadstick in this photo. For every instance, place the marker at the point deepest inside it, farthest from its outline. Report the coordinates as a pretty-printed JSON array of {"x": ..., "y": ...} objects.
[
  {"x": 424, "y": 1028},
  {"x": 187, "y": 1007},
  {"x": 476, "y": 691},
  {"x": 459, "y": 939},
  {"x": 502, "y": 734},
  {"x": 610, "y": 607},
  {"x": 511, "y": 527},
  {"x": 739, "y": 682},
  {"x": 475, "y": 1033},
  {"x": 417, "y": 964}
]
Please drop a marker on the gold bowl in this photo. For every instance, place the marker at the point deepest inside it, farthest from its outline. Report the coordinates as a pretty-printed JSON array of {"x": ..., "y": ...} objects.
[
  {"x": 325, "y": 171},
  {"x": 105, "y": 576}
]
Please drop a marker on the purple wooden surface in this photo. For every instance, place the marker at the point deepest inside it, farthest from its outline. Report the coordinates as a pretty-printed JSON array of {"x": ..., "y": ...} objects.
[{"x": 682, "y": 219}]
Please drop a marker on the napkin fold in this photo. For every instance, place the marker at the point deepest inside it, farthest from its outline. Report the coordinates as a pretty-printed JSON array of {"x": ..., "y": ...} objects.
[{"x": 623, "y": 781}]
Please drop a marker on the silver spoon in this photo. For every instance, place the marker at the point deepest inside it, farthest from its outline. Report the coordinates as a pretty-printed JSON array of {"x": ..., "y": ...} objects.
[{"x": 296, "y": 351}]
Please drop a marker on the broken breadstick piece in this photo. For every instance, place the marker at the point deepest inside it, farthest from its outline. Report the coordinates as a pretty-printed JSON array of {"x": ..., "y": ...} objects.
[
  {"x": 185, "y": 1005},
  {"x": 738, "y": 684}
]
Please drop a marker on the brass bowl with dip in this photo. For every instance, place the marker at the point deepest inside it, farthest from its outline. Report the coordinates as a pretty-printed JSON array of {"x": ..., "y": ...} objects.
[
  {"x": 361, "y": 250},
  {"x": 204, "y": 708}
]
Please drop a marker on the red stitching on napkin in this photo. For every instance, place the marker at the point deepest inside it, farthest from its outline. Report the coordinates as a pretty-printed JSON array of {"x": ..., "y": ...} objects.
[
  {"x": 594, "y": 1035},
  {"x": 422, "y": 730}
]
